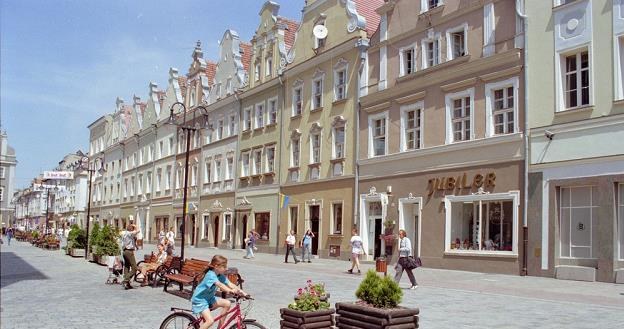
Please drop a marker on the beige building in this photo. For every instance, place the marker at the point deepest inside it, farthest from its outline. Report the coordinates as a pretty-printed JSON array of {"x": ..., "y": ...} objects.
[
  {"x": 576, "y": 121},
  {"x": 319, "y": 124},
  {"x": 441, "y": 150}
]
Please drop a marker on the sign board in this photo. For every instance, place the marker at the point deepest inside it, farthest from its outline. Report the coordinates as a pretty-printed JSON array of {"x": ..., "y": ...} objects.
[{"x": 58, "y": 175}]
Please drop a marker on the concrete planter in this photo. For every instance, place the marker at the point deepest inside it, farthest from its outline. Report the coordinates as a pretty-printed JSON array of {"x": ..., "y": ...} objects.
[
  {"x": 76, "y": 252},
  {"x": 102, "y": 260},
  {"x": 293, "y": 319},
  {"x": 356, "y": 316}
]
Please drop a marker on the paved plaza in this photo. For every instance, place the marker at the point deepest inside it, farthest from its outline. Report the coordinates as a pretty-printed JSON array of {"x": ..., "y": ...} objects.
[{"x": 47, "y": 289}]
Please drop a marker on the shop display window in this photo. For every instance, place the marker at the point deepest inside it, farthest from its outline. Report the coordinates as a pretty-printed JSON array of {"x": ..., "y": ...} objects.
[
  {"x": 577, "y": 214},
  {"x": 263, "y": 220},
  {"x": 621, "y": 220}
]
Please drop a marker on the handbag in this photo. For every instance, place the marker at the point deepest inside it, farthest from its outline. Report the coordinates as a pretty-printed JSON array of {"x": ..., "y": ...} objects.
[{"x": 413, "y": 262}]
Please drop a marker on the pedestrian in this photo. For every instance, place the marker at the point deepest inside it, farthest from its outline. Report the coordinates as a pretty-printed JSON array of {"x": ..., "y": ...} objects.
[
  {"x": 9, "y": 234},
  {"x": 252, "y": 237},
  {"x": 290, "y": 246},
  {"x": 161, "y": 237},
  {"x": 356, "y": 251},
  {"x": 171, "y": 237},
  {"x": 405, "y": 251},
  {"x": 128, "y": 245},
  {"x": 306, "y": 245}
]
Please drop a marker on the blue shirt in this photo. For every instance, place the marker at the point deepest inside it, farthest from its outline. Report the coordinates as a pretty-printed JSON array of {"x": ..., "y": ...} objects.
[
  {"x": 204, "y": 294},
  {"x": 307, "y": 239}
]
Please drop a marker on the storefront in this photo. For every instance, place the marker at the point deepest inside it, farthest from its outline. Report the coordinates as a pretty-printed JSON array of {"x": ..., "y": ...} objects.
[
  {"x": 462, "y": 219},
  {"x": 217, "y": 212},
  {"x": 260, "y": 212},
  {"x": 160, "y": 214}
]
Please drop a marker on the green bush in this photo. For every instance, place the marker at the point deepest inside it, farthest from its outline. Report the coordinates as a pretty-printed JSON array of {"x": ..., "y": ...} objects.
[
  {"x": 94, "y": 237},
  {"x": 35, "y": 234},
  {"x": 379, "y": 292},
  {"x": 108, "y": 244},
  {"x": 77, "y": 237}
]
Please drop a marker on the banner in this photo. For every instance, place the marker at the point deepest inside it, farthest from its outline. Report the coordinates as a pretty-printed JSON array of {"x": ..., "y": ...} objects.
[
  {"x": 284, "y": 201},
  {"x": 58, "y": 175}
]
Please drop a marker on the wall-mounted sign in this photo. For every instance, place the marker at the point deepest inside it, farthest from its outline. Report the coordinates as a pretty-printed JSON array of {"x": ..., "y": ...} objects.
[
  {"x": 461, "y": 182},
  {"x": 58, "y": 175},
  {"x": 334, "y": 250}
]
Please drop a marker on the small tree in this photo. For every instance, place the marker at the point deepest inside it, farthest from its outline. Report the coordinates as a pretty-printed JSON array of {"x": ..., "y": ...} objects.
[
  {"x": 94, "y": 237},
  {"x": 108, "y": 242},
  {"x": 77, "y": 237},
  {"x": 379, "y": 292}
]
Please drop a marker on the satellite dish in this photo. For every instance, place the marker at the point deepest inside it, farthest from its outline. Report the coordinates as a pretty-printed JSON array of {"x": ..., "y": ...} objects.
[{"x": 320, "y": 31}]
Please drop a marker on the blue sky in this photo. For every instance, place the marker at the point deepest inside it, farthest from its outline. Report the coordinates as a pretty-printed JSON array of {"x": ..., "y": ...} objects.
[{"x": 64, "y": 62}]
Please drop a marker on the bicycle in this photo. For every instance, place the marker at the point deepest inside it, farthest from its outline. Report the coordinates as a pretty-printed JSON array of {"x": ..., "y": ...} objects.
[{"x": 184, "y": 319}]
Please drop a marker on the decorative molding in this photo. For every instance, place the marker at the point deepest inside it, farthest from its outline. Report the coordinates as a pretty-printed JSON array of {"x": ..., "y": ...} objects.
[
  {"x": 295, "y": 134},
  {"x": 458, "y": 85},
  {"x": 411, "y": 98},
  {"x": 501, "y": 74},
  {"x": 318, "y": 73},
  {"x": 316, "y": 127},
  {"x": 356, "y": 21},
  {"x": 378, "y": 107},
  {"x": 341, "y": 63},
  {"x": 339, "y": 120}
]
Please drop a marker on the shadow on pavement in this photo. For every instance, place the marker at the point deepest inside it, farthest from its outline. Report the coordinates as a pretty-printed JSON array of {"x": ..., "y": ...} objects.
[{"x": 14, "y": 269}]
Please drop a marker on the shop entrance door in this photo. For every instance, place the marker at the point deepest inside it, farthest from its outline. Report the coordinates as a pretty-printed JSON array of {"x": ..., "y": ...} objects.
[
  {"x": 243, "y": 232},
  {"x": 314, "y": 226},
  {"x": 374, "y": 228},
  {"x": 216, "y": 231}
]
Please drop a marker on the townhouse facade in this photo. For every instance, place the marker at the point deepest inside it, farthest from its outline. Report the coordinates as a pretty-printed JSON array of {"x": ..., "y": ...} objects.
[
  {"x": 576, "y": 118},
  {"x": 70, "y": 203},
  {"x": 8, "y": 162},
  {"x": 441, "y": 134}
]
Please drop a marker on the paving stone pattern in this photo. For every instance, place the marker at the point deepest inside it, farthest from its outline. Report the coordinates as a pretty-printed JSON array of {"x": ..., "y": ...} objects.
[{"x": 47, "y": 289}]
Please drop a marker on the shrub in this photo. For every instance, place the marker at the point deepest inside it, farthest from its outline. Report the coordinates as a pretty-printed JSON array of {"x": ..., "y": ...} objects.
[
  {"x": 77, "y": 237},
  {"x": 108, "y": 244},
  {"x": 312, "y": 297},
  {"x": 379, "y": 292},
  {"x": 94, "y": 237}
]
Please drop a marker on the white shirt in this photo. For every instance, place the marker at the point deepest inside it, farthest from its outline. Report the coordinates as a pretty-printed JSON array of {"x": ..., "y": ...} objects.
[
  {"x": 356, "y": 245},
  {"x": 290, "y": 239},
  {"x": 171, "y": 236}
]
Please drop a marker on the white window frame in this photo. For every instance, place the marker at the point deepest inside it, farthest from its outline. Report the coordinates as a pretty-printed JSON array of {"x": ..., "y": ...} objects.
[
  {"x": 618, "y": 63},
  {"x": 333, "y": 218},
  {"x": 232, "y": 128},
  {"x": 403, "y": 60},
  {"x": 620, "y": 225},
  {"x": 217, "y": 170},
  {"x": 208, "y": 171},
  {"x": 272, "y": 111},
  {"x": 171, "y": 148},
  {"x": 514, "y": 196},
  {"x": 257, "y": 71},
  {"x": 220, "y": 129},
  {"x": 341, "y": 67},
  {"x": 229, "y": 168},
  {"x": 319, "y": 42},
  {"x": 245, "y": 167},
  {"x": 318, "y": 134},
  {"x": 168, "y": 172},
  {"x": 259, "y": 115},
  {"x": 371, "y": 133},
  {"x": 317, "y": 105},
  {"x": 424, "y": 5},
  {"x": 295, "y": 161},
  {"x": 434, "y": 38},
  {"x": 560, "y": 71},
  {"x": 297, "y": 104},
  {"x": 450, "y": 43},
  {"x": 159, "y": 181},
  {"x": 420, "y": 107},
  {"x": 334, "y": 141},
  {"x": 257, "y": 161},
  {"x": 268, "y": 68},
  {"x": 593, "y": 220},
  {"x": 490, "y": 88},
  {"x": 449, "y": 98},
  {"x": 247, "y": 118},
  {"x": 2, "y": 172},
  {"x": 269, "y": 163}
]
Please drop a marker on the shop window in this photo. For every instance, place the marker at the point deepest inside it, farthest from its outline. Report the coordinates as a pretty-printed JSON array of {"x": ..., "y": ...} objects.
[
  {"x": 206, "y": 227},
  {"x": 262, "y": 221},
  {"x": 482, "y": 223},
  {"x": 337, "y": 218},
  {"x": 577, "y": 217},
  {"x": 227, "y": 227},
  {"x": 621, "y": 221},
  {"x": 293, "y": 218}
]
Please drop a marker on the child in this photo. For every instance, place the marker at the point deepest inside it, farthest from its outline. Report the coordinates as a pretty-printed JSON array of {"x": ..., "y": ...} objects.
[{"x": 204, "y": 297}]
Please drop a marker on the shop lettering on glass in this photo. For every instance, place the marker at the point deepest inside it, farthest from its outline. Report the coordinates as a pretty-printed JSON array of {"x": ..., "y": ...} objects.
[{"x": 461, "y": 182}]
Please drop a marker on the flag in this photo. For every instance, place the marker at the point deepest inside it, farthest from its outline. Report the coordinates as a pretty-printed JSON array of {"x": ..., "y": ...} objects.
[{"x": 284, "y": 201}]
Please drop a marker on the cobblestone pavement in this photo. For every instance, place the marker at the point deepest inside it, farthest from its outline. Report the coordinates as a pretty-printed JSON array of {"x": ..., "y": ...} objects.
[{"x": 47, "y": 289}]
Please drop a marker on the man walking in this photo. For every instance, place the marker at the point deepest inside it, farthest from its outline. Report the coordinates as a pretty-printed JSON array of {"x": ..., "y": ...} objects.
[
  {"x": 290, "y": 247},
  {"x": 128, "y": 244}
]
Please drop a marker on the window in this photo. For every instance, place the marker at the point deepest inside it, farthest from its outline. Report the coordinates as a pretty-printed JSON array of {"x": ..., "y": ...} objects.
[
  {"x": 456, "y": 42},
  {"x": 620, "y": 211},
  {"x": 297, "y": 101},
  {"x": 459, "y": 116},
  {"x": 340, "y": 84},
  {"x": 247, "y": 119},
  {"x": 482, "y": 223},
  {"x": 2, "y": 172},
  {"x": 150, "y": 152},
  {"x": 232, "y": 125},
  {"x": 245, "y": 164},
  {"x": 148, "y": 183},
  {"x": 429, "y": 4},
  {"x": 257, "y": 72},
  {"x": 228, "y": 86},
  {"x": 257, "y": 169},
  {"x": 315, "y": 149},
  {"x": 194, "y": 174},
  {"x": 293, "y": 218},
  {"x": 262, "y": 221},
  {"x": 431, "y": 52},
  {"x": 270, "y": 159},
  {"x": 171, "y": 145},
  {"x": 220, "y": 129},
  {"x": 268, "y": 69},
  {"x": 294, "y": 175},
  {"x": 411, "y": 127},
  {"x": 576, "y": 80},
  {"x": 1, "y": 192},
  {"x": 407, "y": 61},
  {"x": 161, "y": 149},
  {"x": 139, "y": 186},
  {"x": 158, "y": 180},
  {"x": 272, "y": 111},
  {"x": 377, "y": 135},
  {"x": 168, "y": 178},
  {"x": 337, "y": 218},
  {"x": 577, "y": 222},
  {"x": 132, "y": 184},
  {"x": 217, "y": 173},
  {"x": 339, "y": 142},
  {"x": 219, "y": 90},
  {"x": 317, "y": 93},
  {"x": 207, "y": 171},
  {"x": 259, "y": 115},
  {"x": 501, "y": 108},
  {"x": 230, "y": 168},
  {"x": 294, "y": 155}
]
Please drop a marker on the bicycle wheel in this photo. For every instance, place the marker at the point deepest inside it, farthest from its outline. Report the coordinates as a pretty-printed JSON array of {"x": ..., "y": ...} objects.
[
  {"x": 249, "y": 325},
  {"x": 179, "y": 320}
]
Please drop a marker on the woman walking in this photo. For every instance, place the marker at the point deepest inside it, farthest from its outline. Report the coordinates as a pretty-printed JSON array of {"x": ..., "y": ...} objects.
[
  {"x": 306, "y": 245},
  {"x": 356, "y": 251},
  {"x": 405, "y": 251},
  {"x": 251, "y": 243}
]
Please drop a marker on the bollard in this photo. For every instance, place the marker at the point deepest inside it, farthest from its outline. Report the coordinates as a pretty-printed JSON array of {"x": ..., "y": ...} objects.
[{"x": 381, "y": 265}]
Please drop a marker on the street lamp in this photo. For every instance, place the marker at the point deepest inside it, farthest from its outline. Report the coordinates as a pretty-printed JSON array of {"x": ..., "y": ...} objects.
[
  {"x": 47, "y": 189},
  {"x": 84, "y": 165},
  {"x": 188, "y": 129}
]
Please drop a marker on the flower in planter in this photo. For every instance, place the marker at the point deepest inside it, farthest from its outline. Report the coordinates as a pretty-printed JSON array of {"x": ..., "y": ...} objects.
[{"x": 312, "y": 297}]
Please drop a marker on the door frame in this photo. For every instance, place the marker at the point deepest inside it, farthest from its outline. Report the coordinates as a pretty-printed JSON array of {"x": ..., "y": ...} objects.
[
  {"x": 307, "y": 222},
  {"x": 410, "y": 200}
]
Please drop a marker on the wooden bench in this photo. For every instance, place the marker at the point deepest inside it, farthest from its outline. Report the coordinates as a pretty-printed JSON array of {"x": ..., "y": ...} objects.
[
  {"x": 191, "y": 273},
  {"x": 235, "y": 278},
  {"x": 52, "y": 244},
  {"x": 155, "y": 276}
]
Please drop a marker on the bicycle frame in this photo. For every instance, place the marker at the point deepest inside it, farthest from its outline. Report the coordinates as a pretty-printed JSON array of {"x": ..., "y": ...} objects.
[{"x": 237, "y": 315}]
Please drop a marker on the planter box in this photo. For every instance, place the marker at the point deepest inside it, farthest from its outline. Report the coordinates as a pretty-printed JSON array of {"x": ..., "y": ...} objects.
[
  {"x": 293, "y": 319},
  {"x": 102, "y": 260},
  {"x": 75, "y": 252},
  {"x": 356, "y": 316}
]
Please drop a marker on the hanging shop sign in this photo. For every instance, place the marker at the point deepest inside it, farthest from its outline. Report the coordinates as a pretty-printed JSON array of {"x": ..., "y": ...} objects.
[
  {"x": 461, "y": 182},
  {"x": 58, "y": 175}
]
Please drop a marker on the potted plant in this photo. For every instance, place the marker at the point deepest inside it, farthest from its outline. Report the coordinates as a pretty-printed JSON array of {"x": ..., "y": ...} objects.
[
  {"x": 377, "y": 307},
  {"x": 94, "y": 241},
  {"x": 107, "y": 244},
  {"x": 76, "y": 241},
  {"x": 310, "y": 308}
]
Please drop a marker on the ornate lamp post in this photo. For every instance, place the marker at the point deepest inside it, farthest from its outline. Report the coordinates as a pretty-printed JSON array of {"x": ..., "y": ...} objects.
[
  {"x": 188, "y": 129},
  {"x": 84, "y": 165}
]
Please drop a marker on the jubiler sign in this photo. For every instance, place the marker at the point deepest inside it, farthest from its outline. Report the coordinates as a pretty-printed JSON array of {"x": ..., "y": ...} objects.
[
  {"x": 461, "y": 182},
  {"x": 58, "y": 175}
]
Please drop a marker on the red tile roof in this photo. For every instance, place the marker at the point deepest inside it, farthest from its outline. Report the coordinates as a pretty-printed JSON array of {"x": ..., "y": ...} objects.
[
  {"x": 367, "y": 8},
  {"x": 246, "y": 55},
  {"x": 291, "y": 29},
  {"x": 211, "y": 70}
]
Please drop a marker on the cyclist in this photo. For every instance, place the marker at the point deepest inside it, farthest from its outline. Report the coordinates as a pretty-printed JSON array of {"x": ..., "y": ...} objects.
[{"x": 204, "y": 298}]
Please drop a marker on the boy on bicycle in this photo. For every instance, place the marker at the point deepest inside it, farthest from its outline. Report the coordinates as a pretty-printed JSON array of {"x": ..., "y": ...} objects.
[{"x": 204, "y": 299}]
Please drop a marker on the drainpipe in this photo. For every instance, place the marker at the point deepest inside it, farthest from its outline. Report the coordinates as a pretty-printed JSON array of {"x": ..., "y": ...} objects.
[
  {"x": 279, "y": 160},
  {"x": 363, "y": 46},
  {"x": 147, "y": 221},
  {"x": 525, "y": 228}
]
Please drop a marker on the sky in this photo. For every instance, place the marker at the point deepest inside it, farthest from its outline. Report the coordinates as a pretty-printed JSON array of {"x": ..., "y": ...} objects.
[{"x": 63, "y": 63}]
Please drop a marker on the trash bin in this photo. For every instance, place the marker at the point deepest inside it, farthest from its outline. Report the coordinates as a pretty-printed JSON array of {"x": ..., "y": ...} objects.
[{"x": 381, "y": 265}]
